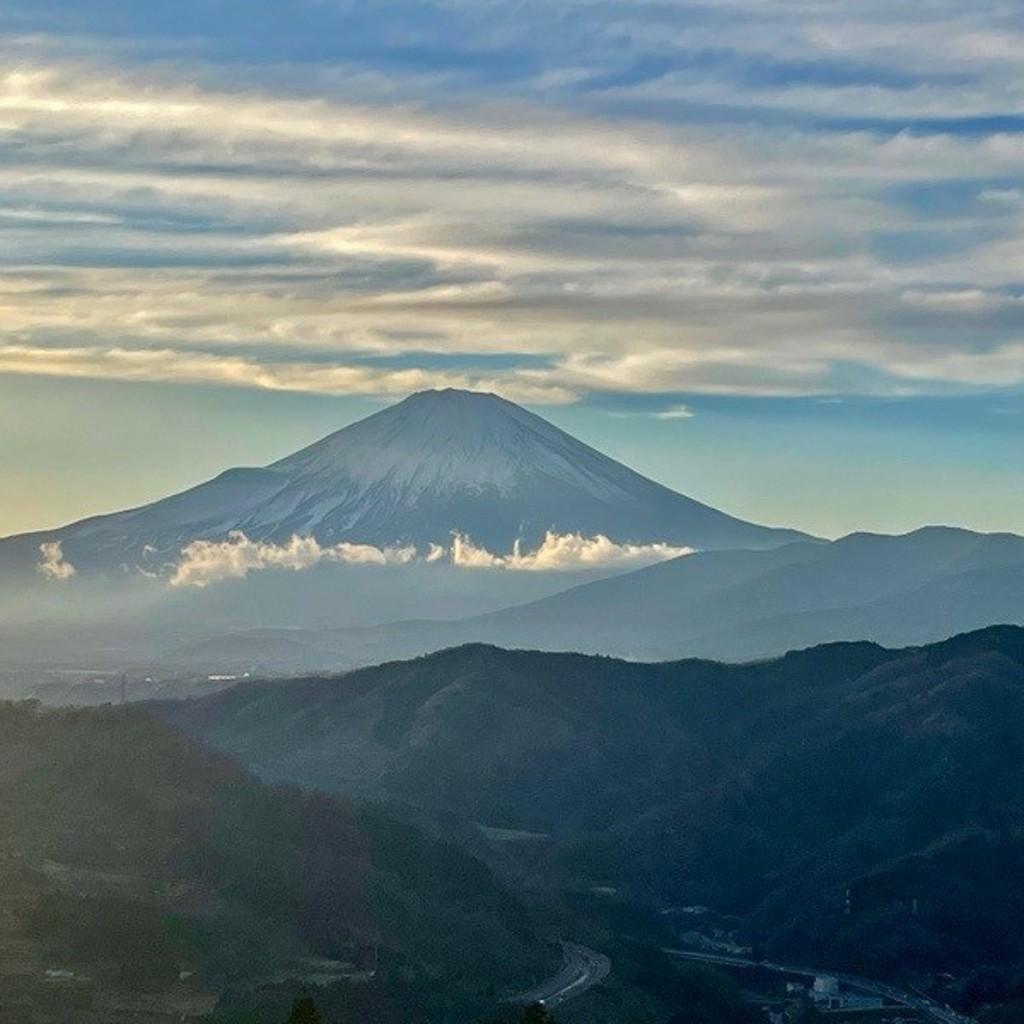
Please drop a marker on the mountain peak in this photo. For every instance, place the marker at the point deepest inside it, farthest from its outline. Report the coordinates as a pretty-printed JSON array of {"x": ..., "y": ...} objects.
[
  {"x": 463, "y": 401},
  {"x": 437, "y": 463},
  {"x": 450, "y": 394},
  {"x": 473, "y": 462},
  {"x": 452, "y": 440}
]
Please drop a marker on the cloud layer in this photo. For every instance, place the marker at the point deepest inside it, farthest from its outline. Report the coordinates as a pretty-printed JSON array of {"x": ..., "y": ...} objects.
[
  {"x": 545, "y": 199},
  {"x": 204, "y": 562},
  {"x": 562, "y": 552}
]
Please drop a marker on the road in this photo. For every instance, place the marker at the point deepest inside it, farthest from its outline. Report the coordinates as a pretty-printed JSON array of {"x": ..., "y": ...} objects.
[
  {"x": 581, "y": 970},
  {"x": 911, "y": 1000}
]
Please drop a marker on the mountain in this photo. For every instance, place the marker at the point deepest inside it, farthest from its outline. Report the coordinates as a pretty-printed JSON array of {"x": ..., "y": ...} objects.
[
  {"x": 732, "y": 605},
  {"x": 158, "y": 877},
  {"x": 764, "y": 793},
  {"x": 914, "y": 588},
  {"x": 437, "y": 463}
]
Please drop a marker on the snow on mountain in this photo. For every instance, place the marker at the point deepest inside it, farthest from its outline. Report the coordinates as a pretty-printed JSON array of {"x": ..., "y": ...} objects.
[
  {"x": 435, "y": 464},
  {"x": 452, "y": 442}
]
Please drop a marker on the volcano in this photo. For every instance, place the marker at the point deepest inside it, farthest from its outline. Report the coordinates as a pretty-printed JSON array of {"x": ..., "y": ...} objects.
[{"x": 435, "y": 464}]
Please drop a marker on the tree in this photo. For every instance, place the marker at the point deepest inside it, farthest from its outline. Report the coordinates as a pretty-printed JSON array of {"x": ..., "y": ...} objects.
[
  {"x": 537, "y": 1014},
  {"x": 706, "y": 996},
  {"x": 304, "y": 1011}
]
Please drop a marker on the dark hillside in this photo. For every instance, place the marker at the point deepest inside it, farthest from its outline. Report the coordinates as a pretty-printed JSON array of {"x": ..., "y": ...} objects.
[
  {"x": 148, "y": 870},
  {"x": 763, "y": 791}
]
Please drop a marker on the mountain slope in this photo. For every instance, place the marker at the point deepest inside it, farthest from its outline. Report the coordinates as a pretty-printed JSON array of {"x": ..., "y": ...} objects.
[
  {"x": 914, "y": 588},
  {"x": 129, "y": 855},
  {"x": 764, "y": 790},
  {"x": 436, "y": 463}
]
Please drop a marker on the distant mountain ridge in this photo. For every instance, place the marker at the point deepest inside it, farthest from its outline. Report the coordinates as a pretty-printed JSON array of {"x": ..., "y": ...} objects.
[
  {"x": 912, "y": 588},
  {"x": 729, "y": 605},
  {"x": 437, "y": 463}
]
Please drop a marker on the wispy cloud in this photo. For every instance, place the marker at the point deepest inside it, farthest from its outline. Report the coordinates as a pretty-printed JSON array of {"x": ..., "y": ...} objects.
[
  {"x": 675, "y": 412},
  {"x": 658, "y": 198},
  {"x": 228, "y": 370}
]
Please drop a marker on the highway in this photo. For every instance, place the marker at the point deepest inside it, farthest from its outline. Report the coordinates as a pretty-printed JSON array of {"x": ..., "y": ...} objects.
[
  {"x": 581, "y": 970},
  {"x": 911, "y": 1000}
]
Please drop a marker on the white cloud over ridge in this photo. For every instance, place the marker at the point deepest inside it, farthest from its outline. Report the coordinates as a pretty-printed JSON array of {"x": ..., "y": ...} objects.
[
  {"x": 562, "y": 552},
  {"x": 205, "y": 562},
  {"x": 52, "y": 563}
]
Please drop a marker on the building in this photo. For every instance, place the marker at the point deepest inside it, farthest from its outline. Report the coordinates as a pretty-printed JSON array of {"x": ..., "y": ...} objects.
[{"x": 827, "y": 996}]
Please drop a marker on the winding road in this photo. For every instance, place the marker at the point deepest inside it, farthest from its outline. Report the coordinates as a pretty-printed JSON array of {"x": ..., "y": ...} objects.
[{"x": 581, "y": 970}]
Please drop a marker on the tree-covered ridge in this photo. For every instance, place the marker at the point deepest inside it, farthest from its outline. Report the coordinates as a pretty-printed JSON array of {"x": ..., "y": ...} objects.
[
  {"x": 765, "y": 791},
  {"x": 133, "y": 859}
]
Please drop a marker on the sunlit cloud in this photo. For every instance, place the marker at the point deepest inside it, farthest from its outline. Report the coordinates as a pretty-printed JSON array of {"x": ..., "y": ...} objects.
[
  {"x": 654, "y": 203},
  {"x": 205, "y": 562},
  {"x": 227, "y": 370},
  {"x": 52, "y": 564},
  {"x": 561, "y": 552}
]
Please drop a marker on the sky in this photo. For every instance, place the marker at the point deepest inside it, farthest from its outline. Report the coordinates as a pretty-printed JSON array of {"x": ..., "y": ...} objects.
[{"x": 767, "y": 253}]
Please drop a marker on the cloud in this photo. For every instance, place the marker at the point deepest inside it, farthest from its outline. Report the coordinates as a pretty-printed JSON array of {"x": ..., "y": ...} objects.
[
  {"x": 205, "y": 562},
  {"x": 645, "y": 201},
  {"x": 53, "y": 565},
  {"x": 227, "y": 370},
  {"x": 563, "y": 552},
  {"x": 675, "y": 412}
]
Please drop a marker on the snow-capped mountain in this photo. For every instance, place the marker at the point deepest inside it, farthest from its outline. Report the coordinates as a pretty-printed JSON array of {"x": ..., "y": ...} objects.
[{"x": 437, "y": 463}]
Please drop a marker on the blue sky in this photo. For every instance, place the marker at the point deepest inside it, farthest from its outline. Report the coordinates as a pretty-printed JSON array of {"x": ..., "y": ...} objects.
[{"x": 229, "y": 227}]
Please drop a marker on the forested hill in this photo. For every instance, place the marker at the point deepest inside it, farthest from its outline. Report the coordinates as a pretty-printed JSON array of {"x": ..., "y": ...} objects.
[
  {"x": 138, "y": 866},
  {"x": 764, "y": 791}
]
